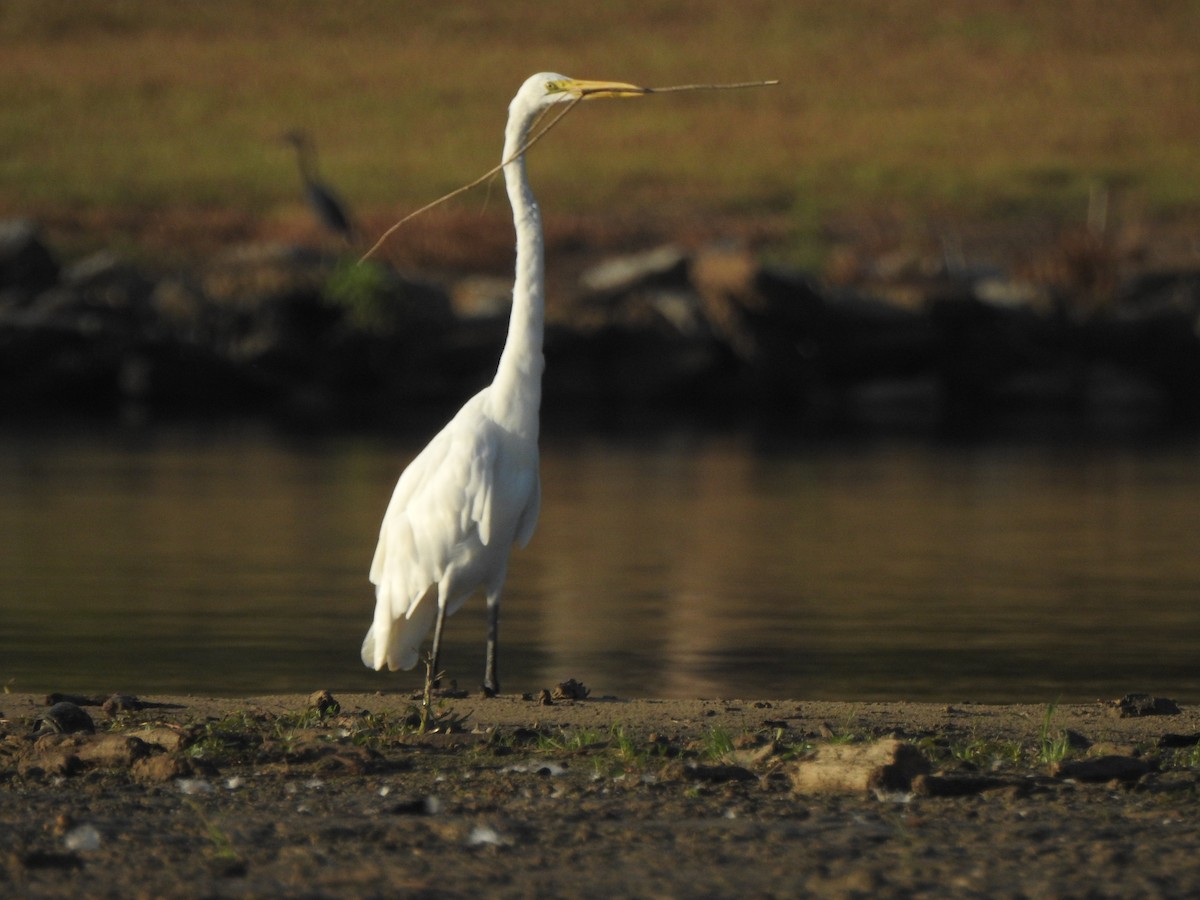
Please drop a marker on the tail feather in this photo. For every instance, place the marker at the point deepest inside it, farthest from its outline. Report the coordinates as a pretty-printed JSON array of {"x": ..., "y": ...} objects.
[{"x": 396, "y": 642}]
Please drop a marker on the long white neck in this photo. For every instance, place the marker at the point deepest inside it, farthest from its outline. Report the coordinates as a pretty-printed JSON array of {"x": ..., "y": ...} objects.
[{"x": 517, "y": 388}]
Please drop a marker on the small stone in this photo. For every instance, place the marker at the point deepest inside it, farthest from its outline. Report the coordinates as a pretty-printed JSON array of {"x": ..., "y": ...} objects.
[
  {"x": 82, "y": 838},
  {"x": 193, "y": 786},
  {"x": 324, "y": 703},
  {"x": 570, "y": 690},
  {"x": 883, "y": 767},
  {"x": 163, "y": 768},
  {"x": 120, "y": 703},
  {"x": 163, "y": 737}
]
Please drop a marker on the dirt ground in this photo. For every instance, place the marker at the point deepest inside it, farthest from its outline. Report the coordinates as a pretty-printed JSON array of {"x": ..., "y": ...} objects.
[{"x": 293, "y": 796}]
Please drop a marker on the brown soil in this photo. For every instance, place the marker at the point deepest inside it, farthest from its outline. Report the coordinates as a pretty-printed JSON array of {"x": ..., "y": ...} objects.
[{"x": 601, "y": 797}]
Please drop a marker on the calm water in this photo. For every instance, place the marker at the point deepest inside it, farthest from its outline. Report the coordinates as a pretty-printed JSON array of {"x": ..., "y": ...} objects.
[{"x": 233, "y": 559}]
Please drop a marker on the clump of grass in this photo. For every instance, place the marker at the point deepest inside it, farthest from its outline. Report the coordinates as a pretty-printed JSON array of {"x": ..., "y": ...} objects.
[
  {"x": 570, "y": 741},
  {"x": 716, "y": 745},
  {"x": 624, "y": 746},
  {"x": 982, "y": 754},
  {"x": 243, "y": 737},
  {"x": 1052, "y": 746},
  {"x": 374, "y": 730},
  {"x": 1181, "y": 758},
  {"x": 231, "y": 739}
]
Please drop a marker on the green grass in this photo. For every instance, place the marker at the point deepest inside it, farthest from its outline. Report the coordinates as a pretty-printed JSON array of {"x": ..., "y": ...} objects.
[
  {"x": 166, "y": 110},
  {"x": 1053, "y": 744},
  {"x": 569, "y": 740},
  {"x": 716, "y": 745},
  {"x": 221, "y": 844}
]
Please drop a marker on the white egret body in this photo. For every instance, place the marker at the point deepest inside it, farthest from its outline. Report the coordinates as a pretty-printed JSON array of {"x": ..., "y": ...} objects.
[{"x": 474, "y": 491}]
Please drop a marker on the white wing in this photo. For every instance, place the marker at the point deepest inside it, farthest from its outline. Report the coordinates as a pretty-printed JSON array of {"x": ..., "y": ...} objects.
[
  {"x": 442, "y": 500},
  {"x": 529, "y": 516}
]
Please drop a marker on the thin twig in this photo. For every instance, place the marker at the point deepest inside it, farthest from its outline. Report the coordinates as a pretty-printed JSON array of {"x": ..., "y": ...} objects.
[
  {"x": 538, "y": 135},
  {"x": 711, "y": 87},
  {"x": 478, "y": 181}
]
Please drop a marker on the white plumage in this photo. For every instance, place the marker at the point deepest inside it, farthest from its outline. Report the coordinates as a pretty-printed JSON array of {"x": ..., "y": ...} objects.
[
  {"x": 460, "y": 505},
  {"x": 474, "y": 490}
]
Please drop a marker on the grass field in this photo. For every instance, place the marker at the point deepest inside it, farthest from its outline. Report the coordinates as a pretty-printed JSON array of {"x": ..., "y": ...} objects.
[{"x": 131, "y": 112}]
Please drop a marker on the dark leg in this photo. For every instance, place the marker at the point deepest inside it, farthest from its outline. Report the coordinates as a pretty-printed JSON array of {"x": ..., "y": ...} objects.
[
  {"x": 491, "y": 682},
  {"x": 431, "y": 669},
  {"x": 436, "y": 652}
]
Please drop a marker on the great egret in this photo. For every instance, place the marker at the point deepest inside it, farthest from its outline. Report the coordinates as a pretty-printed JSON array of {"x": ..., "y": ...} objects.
[
  {"x": 329, "y": 209},
  {"x": 474, "y": 490}
]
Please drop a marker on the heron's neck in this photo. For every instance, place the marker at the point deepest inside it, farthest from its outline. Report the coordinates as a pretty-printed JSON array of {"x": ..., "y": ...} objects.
[{"x": 518, "y": 383}]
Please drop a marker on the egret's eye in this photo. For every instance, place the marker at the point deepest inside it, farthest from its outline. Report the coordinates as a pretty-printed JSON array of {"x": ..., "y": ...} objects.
[{"x": 556, "y": 87}]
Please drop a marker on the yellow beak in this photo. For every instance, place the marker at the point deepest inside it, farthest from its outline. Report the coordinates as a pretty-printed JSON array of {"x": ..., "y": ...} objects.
[{"x": 597, "y": 89}]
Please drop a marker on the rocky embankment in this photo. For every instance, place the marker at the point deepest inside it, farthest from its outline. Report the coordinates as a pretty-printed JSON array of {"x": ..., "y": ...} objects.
[{"x": 290, "y": 331}]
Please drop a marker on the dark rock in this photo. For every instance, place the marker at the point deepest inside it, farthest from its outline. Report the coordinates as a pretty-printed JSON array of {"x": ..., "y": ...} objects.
[
  {"x": 718, "y": 774},
  {"x": 423, "y": 806},
  {"x": 982, "y": 347},
  {"x": 770, "y": 320},
  {"x": 65, "y": 717},
  {"x": 1135, "y": 705},
  {"x": 35, "y": 860},
  {"x": 1175, "y": 741},
  {"x": 626, "y": 362},
  {"x": 25, "y": 262},
  {"x": 1103, "y": 769},
  {"x": 105, "y": 284},
  {"x": 966, "y": 785},
  {"x": 1158, "y": 341},
  {"x": 1178, "y": 288}
]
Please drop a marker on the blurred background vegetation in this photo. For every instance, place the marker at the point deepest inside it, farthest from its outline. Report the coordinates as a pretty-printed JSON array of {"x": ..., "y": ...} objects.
[{"x": 150, "y": 125}]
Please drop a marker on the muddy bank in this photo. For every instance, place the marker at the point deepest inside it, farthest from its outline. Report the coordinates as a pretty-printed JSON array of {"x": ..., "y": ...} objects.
[{"x": 340, "y": 796}]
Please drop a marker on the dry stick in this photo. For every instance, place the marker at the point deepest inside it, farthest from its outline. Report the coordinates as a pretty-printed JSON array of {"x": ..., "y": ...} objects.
[
  {"x": 712, "y": 87},
  {"x": 466, "y": 187},
  {"x": 537, "y": 137}
]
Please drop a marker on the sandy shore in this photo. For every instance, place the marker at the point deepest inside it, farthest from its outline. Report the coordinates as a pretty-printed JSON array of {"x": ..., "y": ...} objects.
[{"x": 268, "y": 796}]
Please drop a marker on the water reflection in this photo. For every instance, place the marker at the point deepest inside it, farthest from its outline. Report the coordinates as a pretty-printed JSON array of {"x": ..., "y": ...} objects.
[{"x": 234, "y": 560}]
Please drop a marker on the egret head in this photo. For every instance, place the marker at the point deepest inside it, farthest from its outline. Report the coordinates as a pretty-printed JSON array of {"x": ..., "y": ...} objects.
[{"x": 548, "y": 88}]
